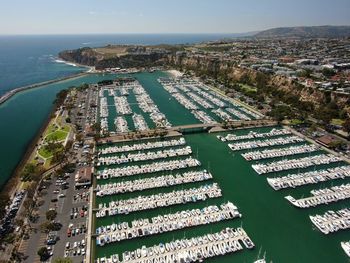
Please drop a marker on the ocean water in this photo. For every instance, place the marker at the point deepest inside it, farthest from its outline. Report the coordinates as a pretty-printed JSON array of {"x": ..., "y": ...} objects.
[{"x": 26, "y": 60}]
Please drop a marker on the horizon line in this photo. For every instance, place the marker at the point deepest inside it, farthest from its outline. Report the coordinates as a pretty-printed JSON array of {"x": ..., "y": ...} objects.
[{"x": 167, "y": 33}]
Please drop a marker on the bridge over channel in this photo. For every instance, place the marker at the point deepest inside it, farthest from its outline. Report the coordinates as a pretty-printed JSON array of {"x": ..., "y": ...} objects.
[
  {"x": 226, "y": 125},
  {"x": 190, "y": 128}
]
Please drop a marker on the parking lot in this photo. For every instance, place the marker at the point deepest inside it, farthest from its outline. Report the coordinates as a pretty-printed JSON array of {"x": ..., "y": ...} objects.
[
  {"x": 59, "y": 194},
  {"x": 73, "y": 215},
  {"x": 71, "y": 206}
]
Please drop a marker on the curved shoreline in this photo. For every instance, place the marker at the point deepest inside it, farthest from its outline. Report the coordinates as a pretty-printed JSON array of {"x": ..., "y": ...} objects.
[
  {"x": 13, "y": 92},
  {"x": 12, "y": 183}
]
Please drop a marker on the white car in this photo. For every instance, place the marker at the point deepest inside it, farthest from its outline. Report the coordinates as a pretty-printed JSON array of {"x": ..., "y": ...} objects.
[
  {"x": 83, "y": 251},
  {"x": 67, "y": 245},
  {"x": 75, "y": 244}
]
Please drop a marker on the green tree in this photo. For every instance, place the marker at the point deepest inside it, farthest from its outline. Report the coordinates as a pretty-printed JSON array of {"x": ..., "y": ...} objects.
[
  {"x": 43, "y": 253},
  {"x": 51, "y": 215},
  {"x": 327, "y": 72},
  {"x": 28, "y": 172},
  {"x": 4, "y": 201},
  {"x": 58, "y": 157},
  {"x": 346, "y": 125}
]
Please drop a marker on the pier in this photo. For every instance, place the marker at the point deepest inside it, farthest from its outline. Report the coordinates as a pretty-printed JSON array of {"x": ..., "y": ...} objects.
[
  {"x": 332, "y": 221},
  {"x": 283, "y": 165},
  {"x": 165, "y": 223},
  {"x": 158, "y": 200},
  {"x": 152, "y": 182},
  {"x": 322, "y": 196},
  {"x": 148, "y": 168},
  {"x": 188, "y": 250},
  {"x": 313, "y": 177}
]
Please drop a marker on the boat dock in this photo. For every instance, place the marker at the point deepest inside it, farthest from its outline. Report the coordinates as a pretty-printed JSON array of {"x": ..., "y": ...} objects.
[
  {"x": 159, "y": 200},
  {"x": 313, "y": 177},
  {"x": 280, "y": 152},
  {"x": 247, "y": 145},
  {"x": 147, "y": 168},
  {"x": 152, "y": 183},
  {"x": 188, "y": 250},
  {"x": 165, "y": 223},
  {"x": 322, "y": 196},
  {"x": 283, "y": 165},
  {"x": 254, "y": 135},
  {"x": 332, "y": 221},
  {"x": 143, "y": 156},
  {"x": 142, "y": 146}
]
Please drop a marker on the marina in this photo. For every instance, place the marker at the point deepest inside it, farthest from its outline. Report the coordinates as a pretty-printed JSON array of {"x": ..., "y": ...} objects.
[
  {"x": 165, "y": 223},
  {"x": 280, "y": 152},
  {"x": 122, "y": 105},
  {"x": 254, "y": 135},
  {"x": 247, "y": 145},
  {"x": 143, "y": 156},
  {"x": 292, "y": 164},
  {"x": 157, "y": 187},
  {"x": 159, "y": 200},
  {"x": 188, "y": 250},
  {"x": 204, "y": 103},
  {"x": 152, "y": 182},
  {"x": 322, "y": 196},
  {"x": 202, "y": 116},
  {"x": 223, "y": 115},
  {"x": 126, "y": 97},
  {"x": 332, "y": 221},
  {"x": 142, "y": 146},
  {"x": 121, "y": 125},
  {"x": 139, "y": 122},
  {"x": 147, "y": 168},
  {"x": 313, "y": 177}
]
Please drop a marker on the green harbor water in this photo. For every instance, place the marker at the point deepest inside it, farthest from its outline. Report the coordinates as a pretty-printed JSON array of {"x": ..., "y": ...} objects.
[
  {"x": 283, "y": 232},
  {"x": 278, "y": 229}
]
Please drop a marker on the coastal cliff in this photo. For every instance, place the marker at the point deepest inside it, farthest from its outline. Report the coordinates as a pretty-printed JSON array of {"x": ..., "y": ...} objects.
[
  {"x": 115, "y": 56},
  {"x": 227, "y": 71},
  {"x": 230, "y": 72}
]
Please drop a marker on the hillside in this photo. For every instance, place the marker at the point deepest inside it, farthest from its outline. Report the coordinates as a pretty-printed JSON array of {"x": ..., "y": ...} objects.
[{"x": 306, "y": 32}]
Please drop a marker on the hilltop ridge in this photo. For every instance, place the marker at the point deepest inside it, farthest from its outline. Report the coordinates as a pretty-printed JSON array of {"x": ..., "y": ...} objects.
[{"x": 306, "y": 32}]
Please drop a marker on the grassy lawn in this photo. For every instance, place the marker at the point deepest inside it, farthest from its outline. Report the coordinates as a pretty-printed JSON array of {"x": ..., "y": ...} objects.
[
  {"x": 58, "y": 135},
  {"x": 44, "y": 153},
  {"x": 50, "y": 129},
  {"x": 247, "y": 88},
  {"x": 53, "y": 132},
  {"x": 337, "y": 122},
  {"x": 66, "y": 128},
  {"x": 295, "y": 122}
]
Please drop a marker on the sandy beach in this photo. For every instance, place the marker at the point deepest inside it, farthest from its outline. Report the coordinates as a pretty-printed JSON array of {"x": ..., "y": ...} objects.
[{"x": 174, "y": 73}]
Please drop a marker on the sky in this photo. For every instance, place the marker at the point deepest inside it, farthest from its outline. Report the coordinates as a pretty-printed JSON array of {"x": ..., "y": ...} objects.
[{"x": 164, "y": 16}]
